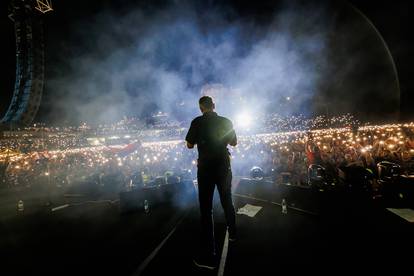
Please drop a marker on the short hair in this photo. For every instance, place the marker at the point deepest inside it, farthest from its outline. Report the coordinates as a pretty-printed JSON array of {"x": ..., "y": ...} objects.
[{"x": 206, "y": 101}]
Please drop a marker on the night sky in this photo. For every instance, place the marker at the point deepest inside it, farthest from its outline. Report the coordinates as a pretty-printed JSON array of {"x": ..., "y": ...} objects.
[{"x": 66, "y": 36}]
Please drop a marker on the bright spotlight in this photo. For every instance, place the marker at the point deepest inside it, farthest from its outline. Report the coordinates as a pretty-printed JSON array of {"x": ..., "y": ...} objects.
[{"x": 243, "y": 120}]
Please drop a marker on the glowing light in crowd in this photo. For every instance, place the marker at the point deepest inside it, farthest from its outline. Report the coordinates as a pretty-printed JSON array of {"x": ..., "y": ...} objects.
[{"x": 156, "y": 153}]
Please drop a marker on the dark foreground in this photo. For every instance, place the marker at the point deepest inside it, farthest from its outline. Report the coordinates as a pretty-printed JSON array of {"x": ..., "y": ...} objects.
[{"x": 322, "y": 231}]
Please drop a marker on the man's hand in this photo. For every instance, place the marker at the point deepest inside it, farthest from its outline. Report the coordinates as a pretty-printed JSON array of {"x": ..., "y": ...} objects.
[
  {"x": 233, "y": 141},
  {"x": 189, "y": 145}
]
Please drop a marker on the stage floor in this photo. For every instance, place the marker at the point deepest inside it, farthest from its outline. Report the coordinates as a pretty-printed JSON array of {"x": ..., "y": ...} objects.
[{"x": 94, "y": 238}]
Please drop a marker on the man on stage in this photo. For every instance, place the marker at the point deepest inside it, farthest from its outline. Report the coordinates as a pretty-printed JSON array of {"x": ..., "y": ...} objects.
[{"x": 212, "y": 133}]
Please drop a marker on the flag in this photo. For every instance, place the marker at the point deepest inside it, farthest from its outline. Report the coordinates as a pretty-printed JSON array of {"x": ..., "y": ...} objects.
[{"x": 123, "y": 151}]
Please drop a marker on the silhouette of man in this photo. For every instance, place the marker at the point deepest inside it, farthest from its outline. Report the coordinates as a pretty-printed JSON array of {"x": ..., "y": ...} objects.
[{"x": 212, "y": 133}]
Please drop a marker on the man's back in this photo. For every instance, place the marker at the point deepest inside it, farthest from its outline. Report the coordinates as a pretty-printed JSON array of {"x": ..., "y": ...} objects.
[{"x": 212, "y": 134}]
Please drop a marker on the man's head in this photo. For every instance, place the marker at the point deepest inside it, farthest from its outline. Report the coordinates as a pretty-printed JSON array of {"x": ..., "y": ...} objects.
[{"x": 206, "y": 104}]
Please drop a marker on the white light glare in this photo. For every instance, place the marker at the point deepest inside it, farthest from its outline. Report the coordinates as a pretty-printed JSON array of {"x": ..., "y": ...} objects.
[{"x": 244, "y": 120}]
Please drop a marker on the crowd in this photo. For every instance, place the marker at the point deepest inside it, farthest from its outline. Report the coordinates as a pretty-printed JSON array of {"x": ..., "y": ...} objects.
[
  {"x": 278, "y": 123},
  {"x": 336, "y": 150},
  {"x": 68, "y": 158}
]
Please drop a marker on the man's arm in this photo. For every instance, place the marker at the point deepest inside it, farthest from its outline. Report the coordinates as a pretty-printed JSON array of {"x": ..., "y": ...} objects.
[
  {"x": 232, "y": 138},
  {"x": 191, "y": 136},
  {"x": 233, "y": 141}
]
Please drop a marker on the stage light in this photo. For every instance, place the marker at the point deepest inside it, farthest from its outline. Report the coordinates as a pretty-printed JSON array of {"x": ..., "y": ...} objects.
[
  {"x": 256, "y": 173},
  {"x": 244, "y": 120}
]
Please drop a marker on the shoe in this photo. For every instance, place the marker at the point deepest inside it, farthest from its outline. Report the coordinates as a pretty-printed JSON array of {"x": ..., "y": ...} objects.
[
  {"x": 206, "y": 263},
  {"x": 232, "y": 238},
  {"x": 232, "y": 235}
]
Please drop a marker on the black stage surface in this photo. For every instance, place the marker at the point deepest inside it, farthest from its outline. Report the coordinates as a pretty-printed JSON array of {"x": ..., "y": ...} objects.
[{"x": 322, "y": 232}]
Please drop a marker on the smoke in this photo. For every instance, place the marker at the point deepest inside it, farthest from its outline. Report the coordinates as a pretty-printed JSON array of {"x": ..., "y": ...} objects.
[{"x": 139, "y": 62}]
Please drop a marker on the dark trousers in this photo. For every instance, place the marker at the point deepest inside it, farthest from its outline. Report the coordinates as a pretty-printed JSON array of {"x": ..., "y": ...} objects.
[{"x": 208, "y": 177}]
